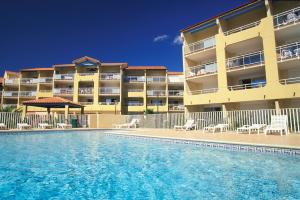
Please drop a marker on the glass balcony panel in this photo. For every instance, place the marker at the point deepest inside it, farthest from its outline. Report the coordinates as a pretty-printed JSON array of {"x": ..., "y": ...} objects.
[
  {"x": 288, "y": 51},
  {"x": 288, "y": 17}
]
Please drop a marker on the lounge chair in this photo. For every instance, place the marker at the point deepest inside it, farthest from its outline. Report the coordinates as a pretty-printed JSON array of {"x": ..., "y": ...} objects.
[
  {"x": 214, "y": 128},
  {"x": 44, "y": 125},
  {"x": 249, "y": 129},
  {"x": 279, "y": 123},
  {"x": 22, "y": 126},
  {"x": 133, "y": 124},
  {"x": 63, "y": 125},
  {"x": 3, "y": 126},
  {"x": 189, "y": 125}
]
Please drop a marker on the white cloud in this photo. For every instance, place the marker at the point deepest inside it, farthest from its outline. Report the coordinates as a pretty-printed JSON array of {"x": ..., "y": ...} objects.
[
  {"x": 160, "y": 38},
  {"x": 177, "y": 40}
]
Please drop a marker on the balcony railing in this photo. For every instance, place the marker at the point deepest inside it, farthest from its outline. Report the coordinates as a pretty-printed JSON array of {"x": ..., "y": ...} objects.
[
  {"x": 247, "y": 86},
  {"x": 132, "y": 79},
  {"x": 29, "y": 80},
  {"x": 204, "y": 69},
  {"x": 288, "y": 81},
  {"x": 86, "y": 103},
  {"x": 87, "y": 90},
  {"x": 11, "y": 81},
  {"x": 86, "y": 73},
  {"x": 109, "y": 90},
  {"x": 242, "y": 28},
  {"x": 156, "y": 104},
  {"x": 45, "y": 80},
  {"x": 288, "y": 51},
  {"x": 68, "y": 91},
  {"x": 27, "y": 93},
  {"x": 156, "y": 79},
  {"x": 200, "y": 45},
  {"x": 243, "y": 61},
  {"x": 204, "y": 91},
  {"x": 110, "y": 76},
  {"x": 176, "y": 93},
  {"x": 156, "y": 93},
  {"x": 135, "y": 90},
  {"x": 10, "y": 93},
  {"x": 108, "y": 103},
  {"x": 135, "y": 104},
  {"x": 64, "y": 77},
  {"x": 176, "y": 107},
  {"x": 179, "y": 79},
  {"x": 9, "y": 105},
  {"x": 288, "y": 17}
]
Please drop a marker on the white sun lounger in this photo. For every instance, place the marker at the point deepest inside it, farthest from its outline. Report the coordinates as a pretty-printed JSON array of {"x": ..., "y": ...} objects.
[
  {"x": 22, "y": 126},
  {"x": 3, "y": 126},
  {"x": 133, "y": 124},
  {"x": 189, "y": 125},
  {"x": 279, "y": 123},
  {"x": 63, "y": 125},
  {"x": 45, "y": 125},
  {"x": 214, "y": 128},
  {"x": 249, "y": 129}
]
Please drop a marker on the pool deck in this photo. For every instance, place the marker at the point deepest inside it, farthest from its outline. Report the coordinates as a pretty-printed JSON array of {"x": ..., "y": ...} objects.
[{"x": 287, "y": 141}]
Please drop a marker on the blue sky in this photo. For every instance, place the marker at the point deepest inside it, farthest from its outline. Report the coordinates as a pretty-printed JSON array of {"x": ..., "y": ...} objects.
[{"x": 37, "y": 33}]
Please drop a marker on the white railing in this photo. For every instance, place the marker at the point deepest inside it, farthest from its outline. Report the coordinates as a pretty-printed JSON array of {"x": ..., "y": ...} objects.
[
  {"x": 64, "y": 76},
  {"x": 135, "y": 90},
  {"x": 288, "y": 51},
  {"x": 27, "y": 93},
  {"x": 86, "y": 103},
  {"x": 156, "y": 93},
  {"x": 156, "y": 79},
  {"x": 176, "y": 93},
  {"x": 247, "y": 86},
  {"x": 204, "y": 91},
  {"x": 243, "y": 61},
  {"x": 290, "y": 80},
  {"x": 108, "y": 103},
  {"x": 109, "y": 90},
  {"x": 201, "y": 45},
  {"x": 68, "y": 91},
  {"x": 134, "y": 79},
  {"x": 87, "y": 73},
  {"x": 110, "y": 76},
  {"x": 156, "y": 104},
  {"x": 176, "y": 107},
  {"x": 45, "y": 80},
  {"x": 242, "y": 28},
  {"x": 134, "y": 104},
  {"x": 11, "y": 81},
  {"x": 87, "y": 90},
  {"x": 175, "y": 79},
  {"x": 204, "y": 69},
  {"x": 288, "y": 17},
  {"x": 29, "y": 80},
  {"x": 10, "y": 93}
]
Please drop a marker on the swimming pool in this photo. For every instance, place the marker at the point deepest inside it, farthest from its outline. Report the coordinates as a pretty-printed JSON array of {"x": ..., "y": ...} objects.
[{"x": 95, "y": 165}]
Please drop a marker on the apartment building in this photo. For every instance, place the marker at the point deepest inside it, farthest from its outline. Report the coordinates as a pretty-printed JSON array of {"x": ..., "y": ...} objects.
[
  {"x": 246, "y": 58},
  {"x": 100, "y": 87}
]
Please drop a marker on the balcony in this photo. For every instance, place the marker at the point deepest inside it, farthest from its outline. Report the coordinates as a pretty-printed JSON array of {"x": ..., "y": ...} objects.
[
  {"x": 135, "y": 79},
  {"x": 29, "y": 81},
  {"x": 11, "y": 81},
  {"x": 156, "y": 79},
  {"x": 27, "y": 94},
  {"x": 202, "y": 70},
  {"x": 135, "y": 90},
  {"x": 108, "y": 103},
  {"x": 110, "y": 90},
  {"x": 201, "y": 45},
  {"x": 110, "y": 76},
  {"x": 244, "y": 61},
  {"x": 86, "y": 90},
  {"x": 46, "y": 80},
  {"x": 86, "y": 74},
  {"x": 10, "y": 93},
  {"x": 175, "y": 79},
  {"x": 135, "y": 104},
  {"x": 156, "y": 93},
  {"x": 176, "y": 107},
  {"x": 63, "y": 91},
  {"x": 64, "y": 77},
  {"x": 242, "y": 28},
  {"x": 290, "y": 81},
  {"x": 156, "y": 104},
  {"x": 86, "y": 103},
  {"x": 203, "y": 91},
  {"x": 287, "y": 18},
  {"x": 289, "y": 51},
  {"x": 247, "y": 86},
  {"x": 176, "y": 93}
]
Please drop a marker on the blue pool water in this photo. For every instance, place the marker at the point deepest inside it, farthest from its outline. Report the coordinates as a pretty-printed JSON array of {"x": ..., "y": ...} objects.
[{"x": 93, "y": 165}]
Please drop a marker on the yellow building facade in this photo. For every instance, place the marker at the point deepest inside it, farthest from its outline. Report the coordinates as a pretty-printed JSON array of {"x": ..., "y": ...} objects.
[
  {"x": 100, "y": 87},
  {"x": 246, "y": 58}
]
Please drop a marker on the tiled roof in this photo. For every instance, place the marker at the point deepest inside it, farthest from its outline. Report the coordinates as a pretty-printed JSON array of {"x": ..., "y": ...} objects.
[
  {"x": 38, "y": 69},
  {"x": 11, "y": 72},
  {"x": 51, "y": 100},
  {"x": 85, "y": 58},
  {"x": 145, "y": 67},
  {"x": 220, "y": 15},
  {"x": 64, "y": 65},
  {"x": 175, "y": 73}
]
